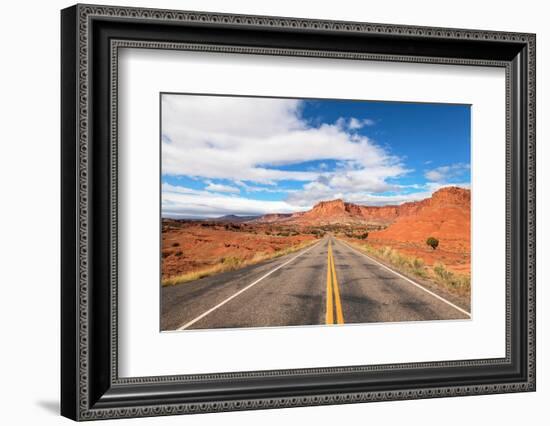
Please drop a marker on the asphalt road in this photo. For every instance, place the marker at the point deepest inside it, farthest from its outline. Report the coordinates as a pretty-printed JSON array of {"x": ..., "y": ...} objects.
[{"x": 328, "y": 283}]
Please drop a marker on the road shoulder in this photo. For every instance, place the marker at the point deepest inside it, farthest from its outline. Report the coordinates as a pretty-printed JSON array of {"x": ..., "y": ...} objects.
[{"x": 460, "y": 301}]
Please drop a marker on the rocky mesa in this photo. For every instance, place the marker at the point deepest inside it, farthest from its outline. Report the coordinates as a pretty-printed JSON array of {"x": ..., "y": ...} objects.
[
  {"x": 445, "y": 215},
  {"x": 446, "y": 204}
]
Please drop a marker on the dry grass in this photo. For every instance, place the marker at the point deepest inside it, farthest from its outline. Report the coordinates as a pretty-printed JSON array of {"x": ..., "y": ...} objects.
[
  {"x": 455, "y": 283},
  {"x": 413, "y": 265},
  {"x": 232, "y": 263}
]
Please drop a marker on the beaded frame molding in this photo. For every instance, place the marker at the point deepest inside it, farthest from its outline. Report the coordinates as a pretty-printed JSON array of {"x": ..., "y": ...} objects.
[{"x": 91, "y": 38}]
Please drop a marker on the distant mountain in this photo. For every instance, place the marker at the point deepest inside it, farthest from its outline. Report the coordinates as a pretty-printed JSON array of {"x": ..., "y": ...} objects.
[
  {"x": 234, "y": 218},
  {"x": 273, "y": 217}
]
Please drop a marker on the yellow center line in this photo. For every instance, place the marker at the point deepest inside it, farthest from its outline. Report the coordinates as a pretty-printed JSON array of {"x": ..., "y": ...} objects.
[
  {"x": 330, "y": 313},
  {"x": 333, "y": 292},
  {"x": 338, "y": 303}
]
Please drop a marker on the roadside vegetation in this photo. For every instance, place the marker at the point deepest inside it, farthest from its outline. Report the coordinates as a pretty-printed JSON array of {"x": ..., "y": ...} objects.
[
  {"x": 414, "y": 266},
  {"x": 459, "y": 283},
  {"x": 231, "y": 263}
]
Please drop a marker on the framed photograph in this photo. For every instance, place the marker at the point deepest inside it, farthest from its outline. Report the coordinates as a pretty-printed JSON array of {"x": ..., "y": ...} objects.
[{"x": 263, "y": 212}]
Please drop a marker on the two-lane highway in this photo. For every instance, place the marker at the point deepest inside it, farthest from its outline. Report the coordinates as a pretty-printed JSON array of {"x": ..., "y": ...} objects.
[{"x": 327, "y": 283}]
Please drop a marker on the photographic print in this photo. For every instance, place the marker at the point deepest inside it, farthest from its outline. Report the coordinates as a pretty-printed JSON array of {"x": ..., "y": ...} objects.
[
  {"x": 304, "y": 185},
  {"x": 279, "y": 212}
]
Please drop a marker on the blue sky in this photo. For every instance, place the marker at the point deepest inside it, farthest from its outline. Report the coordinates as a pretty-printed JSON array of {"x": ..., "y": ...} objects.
[{"x": 247, "y": 156}]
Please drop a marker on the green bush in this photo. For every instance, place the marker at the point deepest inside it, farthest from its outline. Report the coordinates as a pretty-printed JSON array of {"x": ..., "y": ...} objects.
[{"x": 432, "y": 242}]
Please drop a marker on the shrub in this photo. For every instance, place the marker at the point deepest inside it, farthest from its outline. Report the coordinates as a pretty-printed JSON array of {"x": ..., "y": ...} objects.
[
  {"x": 417, "y": 263},
  {"x": 387, "y": 251},
  {"x": 418, "y": 267},
  {"x": 442, "y": 272},
  {"x": 400, "y": 260},
  {"x": 432, "y": 242},
  {"x": 458, "y": 282}
]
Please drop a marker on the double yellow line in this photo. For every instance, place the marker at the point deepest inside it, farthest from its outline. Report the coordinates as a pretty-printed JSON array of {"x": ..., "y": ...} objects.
[{"x": 333, "y": 292}]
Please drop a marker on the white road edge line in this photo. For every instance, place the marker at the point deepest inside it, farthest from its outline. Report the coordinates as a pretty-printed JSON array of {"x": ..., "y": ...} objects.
[
  {"x": 219, "y": 305},
  {"x": 411, "y": 281}
]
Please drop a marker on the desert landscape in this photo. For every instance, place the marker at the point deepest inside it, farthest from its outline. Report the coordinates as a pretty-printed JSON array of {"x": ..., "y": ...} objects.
[
  {"x": 394, "y": 234},
  {"x": 284, "y": 212}
]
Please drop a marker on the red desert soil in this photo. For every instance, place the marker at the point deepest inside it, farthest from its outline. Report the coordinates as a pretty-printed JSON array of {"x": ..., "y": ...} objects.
[{"x": 192, "y": 246}]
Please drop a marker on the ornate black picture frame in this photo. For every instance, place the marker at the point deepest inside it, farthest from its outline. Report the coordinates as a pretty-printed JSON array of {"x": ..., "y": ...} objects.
[{"x": 91, "y": 36}]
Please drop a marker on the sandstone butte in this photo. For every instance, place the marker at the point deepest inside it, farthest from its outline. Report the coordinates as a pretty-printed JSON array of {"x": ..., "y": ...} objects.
[{"x": 445, "y": 215}]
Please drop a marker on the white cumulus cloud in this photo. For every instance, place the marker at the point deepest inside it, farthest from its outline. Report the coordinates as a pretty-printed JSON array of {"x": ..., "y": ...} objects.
[
  {"x": 245, "y": 138},
  {"x": 217, "y": 187},
  {"x": 446, "y": 173},
  {"x": 182, "y": 202}
]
